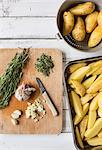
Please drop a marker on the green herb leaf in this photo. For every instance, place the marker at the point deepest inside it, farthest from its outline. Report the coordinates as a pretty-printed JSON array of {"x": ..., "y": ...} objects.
[
  {"x": 11, "y": 78},
  {"x": 44, "y": 64}
]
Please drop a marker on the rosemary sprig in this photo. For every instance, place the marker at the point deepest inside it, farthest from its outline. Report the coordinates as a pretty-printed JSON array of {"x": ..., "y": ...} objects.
[
  {"x": 11, "y": 78},
  {"x": 44, "y": 64}
]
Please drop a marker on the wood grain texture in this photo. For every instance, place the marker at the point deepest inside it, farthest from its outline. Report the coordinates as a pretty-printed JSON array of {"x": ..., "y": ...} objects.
[
  {"x": 53, "y": 84},
  {"x": 34, "y": 142},
  {"x": 69, "y": 53},
  {"x": 28, "y": 27},
  {"x": 30, "y": 7}
]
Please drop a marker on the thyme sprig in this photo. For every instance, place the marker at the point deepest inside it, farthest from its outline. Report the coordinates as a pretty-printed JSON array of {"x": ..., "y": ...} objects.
[{"x": 11, "y": 78}]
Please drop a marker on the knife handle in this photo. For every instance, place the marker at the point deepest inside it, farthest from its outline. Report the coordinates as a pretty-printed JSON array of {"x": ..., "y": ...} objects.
[{"x": 50, "y": 104}]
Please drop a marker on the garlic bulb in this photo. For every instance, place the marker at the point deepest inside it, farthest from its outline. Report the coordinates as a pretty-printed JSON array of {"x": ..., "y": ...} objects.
[{"x": 24, "y": 92}]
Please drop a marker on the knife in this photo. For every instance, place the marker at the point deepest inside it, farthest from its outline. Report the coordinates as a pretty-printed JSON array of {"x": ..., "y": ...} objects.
[{"x": 46, "y": 97}]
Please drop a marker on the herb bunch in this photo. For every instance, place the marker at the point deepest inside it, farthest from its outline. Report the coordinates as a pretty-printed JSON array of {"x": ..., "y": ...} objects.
[
  {"x": 44, "y": 64},
  {"x": 11, "y": 78}
]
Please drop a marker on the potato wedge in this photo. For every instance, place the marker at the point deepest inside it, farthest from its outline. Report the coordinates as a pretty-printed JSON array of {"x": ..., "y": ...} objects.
[
  {"x": 74, "y": 67},
  {"x": 83, "y": 9},
  {"x": 100, "y": 101},
  {"x": 95, "y": 142},
  {"x": 98, "y": 71},
  {"x": 91, "y": 21},
  {"x": 78, "y": 32},
  {"x": 78, "y": 136},
  {"x": 95, "y": 37},
  {"x": 87, "y": 83},
  {"x": 94, "y": 67},
  {"x": 100, "y": 18},
  {"x": 96, "y": 64},
  {"x": 68, "y": 23},
  {"x": 76, "y": 103},
  {"x": 100, "y": 112},
  {"x": 79, "y": 88},
  {"x": 100, "y": 134},
  {"x": 91, "y": 118},
  {"x": 90, "y": 133},
  {"x": 97, "y": 148},
  {"x": 87, "y": 98},
  {"x": 79, "y": 74},
  {"x": 77, "y": 118},
  {"x": 83, "y": 126},
  {"x": 100, "y": 90},
  {"x": 96, "y": 86},
  {"x": 94, "y": 102}
]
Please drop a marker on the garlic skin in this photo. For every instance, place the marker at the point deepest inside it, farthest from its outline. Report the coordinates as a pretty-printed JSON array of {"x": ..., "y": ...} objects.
[{"x": 24, "y": 92}]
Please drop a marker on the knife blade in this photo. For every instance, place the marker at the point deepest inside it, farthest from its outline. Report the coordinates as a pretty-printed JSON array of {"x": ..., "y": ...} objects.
[{"x": 46, "y": 97}]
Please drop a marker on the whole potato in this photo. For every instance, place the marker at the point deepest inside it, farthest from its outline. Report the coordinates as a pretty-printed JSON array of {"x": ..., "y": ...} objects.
[
  {"x": 68, "y": 23},
  {"x": 78, "y": 32},
  {"x": 100, "y": 18},
  {"x": 83, "y": 9},
  {"x": 91, "y": 21},
  {"x": 95, "y": 37}
]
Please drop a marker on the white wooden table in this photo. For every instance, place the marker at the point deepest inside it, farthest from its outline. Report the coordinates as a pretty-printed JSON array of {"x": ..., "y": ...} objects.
[{"x": 32, "y": 23}]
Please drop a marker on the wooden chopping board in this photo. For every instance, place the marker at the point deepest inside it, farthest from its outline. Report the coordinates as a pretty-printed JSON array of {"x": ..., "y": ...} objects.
[{"x": 53, "y": 84}]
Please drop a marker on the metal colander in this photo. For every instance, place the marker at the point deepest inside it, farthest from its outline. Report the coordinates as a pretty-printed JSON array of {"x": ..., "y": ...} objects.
[{"x": 69, "y": 39}]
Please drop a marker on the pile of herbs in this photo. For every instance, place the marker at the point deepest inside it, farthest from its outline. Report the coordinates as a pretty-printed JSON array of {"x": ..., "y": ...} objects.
[
  {"x": 10, "y": 79},
  {"x": 44, "y": 64}
]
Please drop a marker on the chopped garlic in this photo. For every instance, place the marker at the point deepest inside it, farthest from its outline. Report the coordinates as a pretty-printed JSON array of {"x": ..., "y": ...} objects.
[
  {"x": 36, "y": 120},
  {"x": 34, "y": 109}
]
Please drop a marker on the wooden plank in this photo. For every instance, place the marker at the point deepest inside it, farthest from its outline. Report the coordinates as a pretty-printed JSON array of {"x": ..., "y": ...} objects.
[
  {"x": 34, "y": 142},
  {"x": 49, "y": 124},
  {"x": 69, "y": 53},
  {"x": 30, "y": 8},
  {"x": 28, "y": 27}
]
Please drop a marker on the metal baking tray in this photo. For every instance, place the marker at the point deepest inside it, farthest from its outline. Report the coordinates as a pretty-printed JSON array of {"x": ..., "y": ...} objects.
[{"x": 67, "y": 90}]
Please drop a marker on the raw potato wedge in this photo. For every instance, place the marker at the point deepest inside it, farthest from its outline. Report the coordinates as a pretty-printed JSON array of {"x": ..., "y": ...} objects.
[
  {"x": 94, "y": 67},
  {"x": 97, "y": 148},
  {"x": 95, "y": 37},
  {"x": 100, "y": 101},
  {"x": 94, "y": 102},
  {"x": 76, "y": 103},
  {"x": 78, "y": 32},
  {"x": 95, "y": 142},
  {"x": 91, "y": 21},
  {"x": 78, "y": 136},
  {"x": 87, "y": 98},
  {"x": 83, "y": 9},
  {"x": 83, "y": 126},
  {"x": 68, "y": 23},
  {"x": 98, "y": 71},
  {"x": 87, "y": 83},
  {"x": 100, "y": 112},
  {"x": 77, "y": 118},
  {"x": 79, "y": 74},
  {"x": 79, "y": 88},
  {"x": 91, "y": 118},
  {"x": 100, "y": 134},
  {"x": 74, "y": 67},
  {"x": 96, "y": 86},
  {"x": 90, "y": 133},
  {"x": 100, "y": 18}
]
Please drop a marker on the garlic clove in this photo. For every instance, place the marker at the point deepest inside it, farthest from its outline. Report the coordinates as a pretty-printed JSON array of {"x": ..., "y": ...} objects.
[{"x": 14, "y": 121}]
